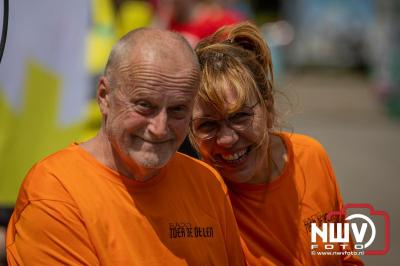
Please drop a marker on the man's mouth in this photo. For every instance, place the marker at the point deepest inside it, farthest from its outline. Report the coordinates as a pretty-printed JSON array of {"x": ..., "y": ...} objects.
[{"x": 154, "y": 142}]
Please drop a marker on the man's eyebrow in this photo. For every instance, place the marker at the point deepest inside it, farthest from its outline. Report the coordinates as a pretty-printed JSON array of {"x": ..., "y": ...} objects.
[{"x": 138, "y": 92}]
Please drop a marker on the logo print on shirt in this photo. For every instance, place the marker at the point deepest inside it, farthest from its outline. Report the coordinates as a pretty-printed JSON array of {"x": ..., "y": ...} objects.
[{"x": 186, "y": 230}]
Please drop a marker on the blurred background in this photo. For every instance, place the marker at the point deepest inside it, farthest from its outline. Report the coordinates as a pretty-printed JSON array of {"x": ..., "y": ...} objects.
[{"x": 337, "y": 68}]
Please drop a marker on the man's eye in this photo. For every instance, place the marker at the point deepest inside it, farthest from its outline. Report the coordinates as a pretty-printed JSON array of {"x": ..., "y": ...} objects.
[
  {"x": 179, "y": 111},
  {"x": 144, "y": 106}
]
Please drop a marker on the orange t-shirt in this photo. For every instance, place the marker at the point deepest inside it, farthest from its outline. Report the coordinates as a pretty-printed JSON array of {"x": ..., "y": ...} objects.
[
  {"x": 274, "y": 218},
  {"x": 72, "y": 210}
]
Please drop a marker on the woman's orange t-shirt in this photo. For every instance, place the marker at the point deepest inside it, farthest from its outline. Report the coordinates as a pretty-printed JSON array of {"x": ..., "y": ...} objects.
[{"x": 274, "y": 219}]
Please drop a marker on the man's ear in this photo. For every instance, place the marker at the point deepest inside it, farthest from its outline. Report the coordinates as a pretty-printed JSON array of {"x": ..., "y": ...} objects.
[{"x": 103, "y": 95}]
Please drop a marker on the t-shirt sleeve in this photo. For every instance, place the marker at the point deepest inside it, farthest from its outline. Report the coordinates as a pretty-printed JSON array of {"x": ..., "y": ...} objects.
[
  {"x": 46, "y": 227},
  {"x": 346, "y": 259},
  {"x": 49, "y": 232}
]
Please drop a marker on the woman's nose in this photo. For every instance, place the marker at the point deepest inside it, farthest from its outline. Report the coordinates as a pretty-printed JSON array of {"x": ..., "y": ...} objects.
[{"x": 226, "y": 136}]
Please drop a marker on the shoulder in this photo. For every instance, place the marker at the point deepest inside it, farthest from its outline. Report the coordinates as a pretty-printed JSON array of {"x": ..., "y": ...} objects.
[
  {"x": 303, "y": 144},
  {"x": 42, "y": 186},
  {"x": 308, "y": 153},
  {"x": 301, "y": 140},
  {"x": 46, "y": 172},
  {"x": 62, "y": 158},
  {"x": 196, "y": 169},
  {"x": 193, "y": 163},
  {"x": 43, "y": 182}
]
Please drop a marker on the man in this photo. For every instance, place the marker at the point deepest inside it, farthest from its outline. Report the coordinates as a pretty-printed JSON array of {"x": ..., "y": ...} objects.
[{"x": 126, "y": 197}]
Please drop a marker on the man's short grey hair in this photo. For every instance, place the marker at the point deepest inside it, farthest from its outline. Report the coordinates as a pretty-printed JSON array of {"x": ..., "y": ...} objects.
[{"x": 137, "y": 37}]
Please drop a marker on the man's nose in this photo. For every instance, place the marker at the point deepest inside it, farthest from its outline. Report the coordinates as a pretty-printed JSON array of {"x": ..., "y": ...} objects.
[
  {"x": 158, "y": 126},
  {"x": 226, "y": 136}
]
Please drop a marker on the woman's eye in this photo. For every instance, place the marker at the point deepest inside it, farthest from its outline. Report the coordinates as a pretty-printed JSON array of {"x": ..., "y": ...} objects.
[
  {"x": 207, "y": 125},
  {"x": 240, "y": 116}
]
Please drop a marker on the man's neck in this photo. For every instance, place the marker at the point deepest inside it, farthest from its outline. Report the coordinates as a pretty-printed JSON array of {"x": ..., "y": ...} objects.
[{"x": 101, "y": 148}]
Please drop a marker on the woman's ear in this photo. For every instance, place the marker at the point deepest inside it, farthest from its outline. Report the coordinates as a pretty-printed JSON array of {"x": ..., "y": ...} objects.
[
  {"x": 270, "y": 115},
  {"x": 270, "y": 121},
  {"x": 103, "y": 95}
]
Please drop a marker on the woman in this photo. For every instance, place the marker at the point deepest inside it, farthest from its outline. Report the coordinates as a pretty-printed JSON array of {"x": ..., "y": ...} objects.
[{"x": 279, "y": 183}]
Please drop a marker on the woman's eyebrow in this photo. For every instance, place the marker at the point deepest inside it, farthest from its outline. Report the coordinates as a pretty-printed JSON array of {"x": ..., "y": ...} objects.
[{"x": 205, "y": 117}]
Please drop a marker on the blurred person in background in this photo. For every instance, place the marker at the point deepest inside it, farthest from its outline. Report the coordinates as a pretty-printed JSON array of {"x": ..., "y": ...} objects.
[
  {"x": 196, "y": 19},
  {"x": 5, "y": 214},
  {"x": 125, "y": 197},
  {"x": 279, "y": 183},
  {"x": 2, "y": 246}
]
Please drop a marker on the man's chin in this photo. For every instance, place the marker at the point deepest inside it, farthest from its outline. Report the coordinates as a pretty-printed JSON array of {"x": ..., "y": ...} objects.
[{"x": 152, "y": 160}]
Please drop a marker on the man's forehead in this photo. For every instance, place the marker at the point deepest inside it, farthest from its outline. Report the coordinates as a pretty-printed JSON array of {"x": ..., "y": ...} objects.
[
  {"x": 157, "y": 72},
  {"x": 176, "y": 94},
  {"x": 152, "y": 77},
  {"x": 159, "y": 54},
  {"x": 154, "y": 42}
]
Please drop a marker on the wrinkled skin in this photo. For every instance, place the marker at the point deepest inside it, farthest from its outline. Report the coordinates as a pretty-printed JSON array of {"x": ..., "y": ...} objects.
[
  {"x": 253, "y": 165},
  {"x": 146, "y": 106}
]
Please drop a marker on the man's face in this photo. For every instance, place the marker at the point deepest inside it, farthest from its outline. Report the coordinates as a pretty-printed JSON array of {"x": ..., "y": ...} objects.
[{"x": 149, "y": 112}]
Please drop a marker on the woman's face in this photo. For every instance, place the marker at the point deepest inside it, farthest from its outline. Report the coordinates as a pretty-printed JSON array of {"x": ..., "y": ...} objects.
[{"x": 237, "y": 154}]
